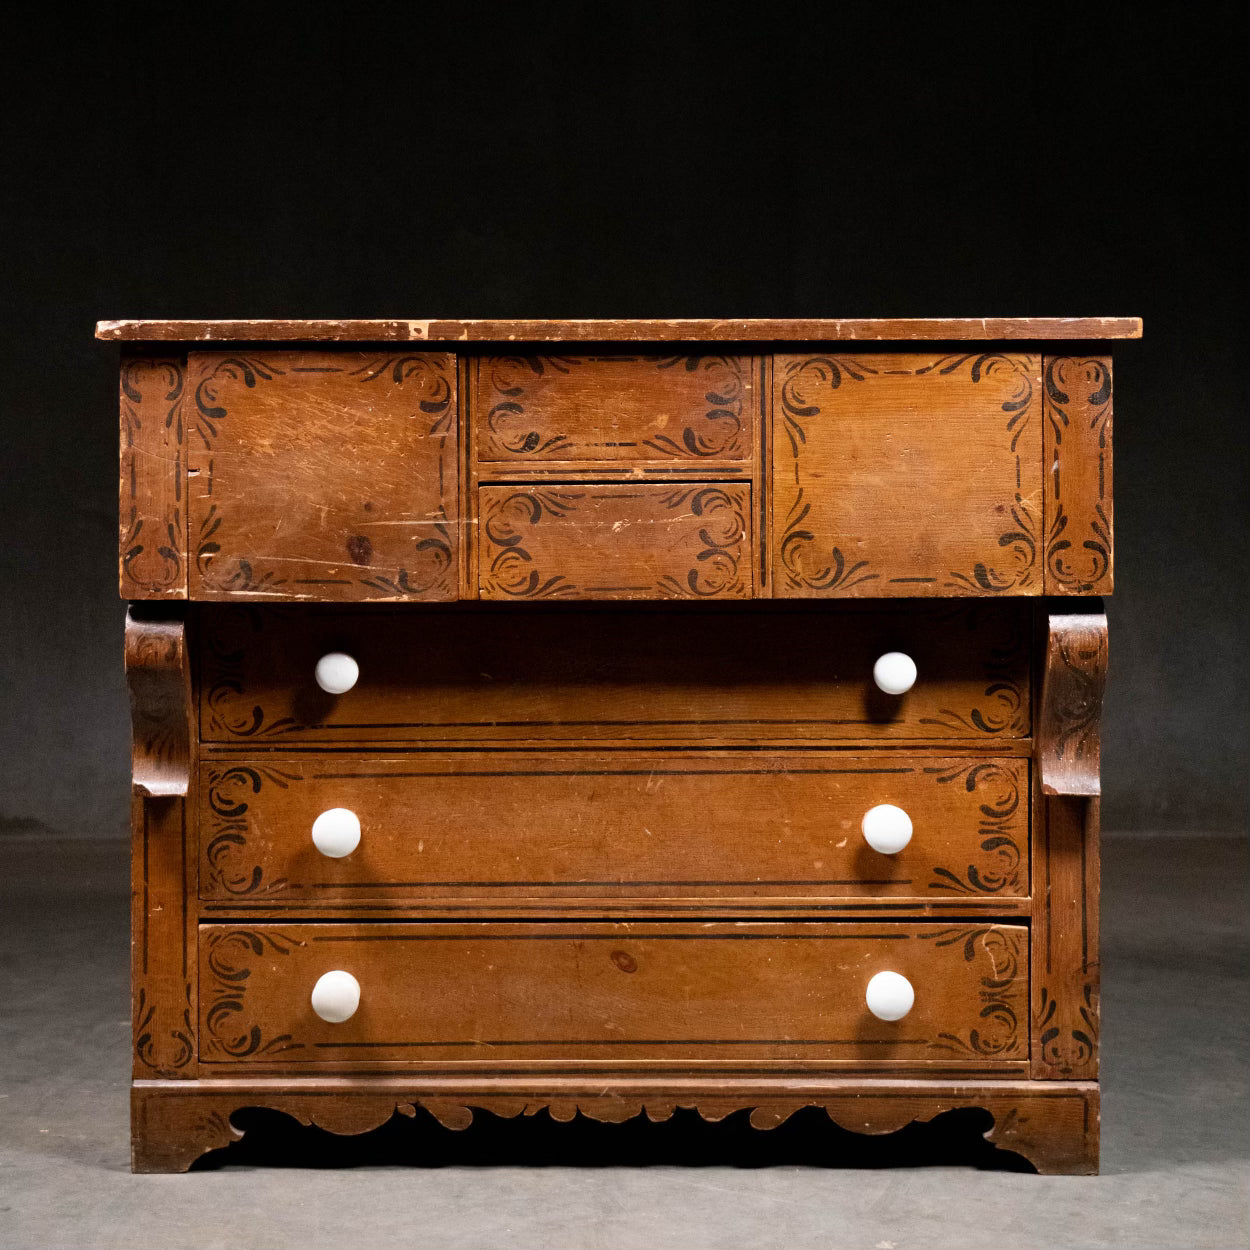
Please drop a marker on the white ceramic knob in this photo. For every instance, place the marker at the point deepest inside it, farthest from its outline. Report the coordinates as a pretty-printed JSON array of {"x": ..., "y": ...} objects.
[
  {"x": 886, "y": 828},
  {"x": 894, "y": 672},
  {"x": 337, "y": 672},
  {"x": 889, "y": 996},
  {"x": 336, "y": 832},
  {"x": 336, "y": 996}
]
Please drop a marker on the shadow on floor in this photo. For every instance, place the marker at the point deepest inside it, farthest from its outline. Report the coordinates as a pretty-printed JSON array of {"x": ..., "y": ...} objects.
[{"x": 807, "y": 1139}]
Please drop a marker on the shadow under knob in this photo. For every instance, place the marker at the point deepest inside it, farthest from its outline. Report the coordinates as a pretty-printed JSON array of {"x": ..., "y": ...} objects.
[
  {"x": 889, "y": 996},
  {"x": 337, "y": 672},
  {"x": 894, "y": 672},
  {"x": 336, "y": 996},
  {"x": 336, "y": 832},
  {"x": 886, "y": 828}
]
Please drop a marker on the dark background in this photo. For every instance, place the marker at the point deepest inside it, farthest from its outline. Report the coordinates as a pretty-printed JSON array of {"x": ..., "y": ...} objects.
[{"x": 471, "y": 161}]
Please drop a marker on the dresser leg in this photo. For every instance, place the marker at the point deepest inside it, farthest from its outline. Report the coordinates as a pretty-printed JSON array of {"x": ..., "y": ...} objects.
[{"x": 173, "y": 1123}]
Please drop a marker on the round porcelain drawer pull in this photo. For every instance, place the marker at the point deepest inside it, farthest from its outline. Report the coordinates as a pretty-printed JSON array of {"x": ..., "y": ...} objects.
[
  {"x": 889, "y": 996},
  {"x": 336, "y": 996},
  {"x": 886, "y": 828},
  {"x": 894, "y": 672},
  {"x": 337, "y": 672},
  {"x": 336, "y": 832}
]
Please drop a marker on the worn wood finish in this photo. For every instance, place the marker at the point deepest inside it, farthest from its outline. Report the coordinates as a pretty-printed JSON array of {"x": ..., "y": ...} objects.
[
  {"x": 613, "y": 541},
  {"x": 1079, "y": 511},
  {"x": 490, "y": 994},
  {"x": 163, "y": 971},
  {"x": 672, "y": 411},
  {"x": 569, "y": 674},
  {"x": 903, "y": 474},
  {"x": 1074, "y": 677},
  {"x": 323, "y": 475},
  {"x": 153, "y": 520},
  {"x": 696, "y": 330},
  {"x": 612, "y": 827},
  {"x": 1054, "y": 1126}
]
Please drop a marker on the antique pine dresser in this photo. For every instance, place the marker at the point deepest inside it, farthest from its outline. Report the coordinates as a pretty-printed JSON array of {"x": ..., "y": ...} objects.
[{"x": 616, "y": 716}]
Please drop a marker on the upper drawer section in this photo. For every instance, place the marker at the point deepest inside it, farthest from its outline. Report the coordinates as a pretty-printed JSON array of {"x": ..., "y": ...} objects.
[
  {"x": 323, "y": 475},
  {"x": 906, "y": 474},
  {"x": 675, "y": 411},
  {"x": 751, "y": 673}
]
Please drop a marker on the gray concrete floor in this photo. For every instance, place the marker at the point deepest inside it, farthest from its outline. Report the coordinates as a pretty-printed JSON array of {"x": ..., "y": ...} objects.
[{"x": 1175, "y": 1130}]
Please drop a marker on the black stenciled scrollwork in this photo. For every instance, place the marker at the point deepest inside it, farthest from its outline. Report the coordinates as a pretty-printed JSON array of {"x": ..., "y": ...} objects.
[
  {"x": 137, "y": 376},
  {"x": 797, "y": 541},
  {"x": 1002, "y": 871},
  {"x": 716, "y": 568},
  {"x": 512, "y": 568},
  {"x": 507, "y": 420},
  {"x": 229, "y": 952},
  {"x": 229, "y": 710},
  {"x": 210, "y": 407},
  {"x": 163, "y": 1049},
  {"x": 1075, "y": 1050},
  {"x": 1078, "y": 699},
  {"x": 229, "y": 802},
  {"x": 1067, "y": 567},
  {"x": 997, "y": 1034},
  {"x": 718, "y": 431},
  {"x": 1003, "y": 708}
]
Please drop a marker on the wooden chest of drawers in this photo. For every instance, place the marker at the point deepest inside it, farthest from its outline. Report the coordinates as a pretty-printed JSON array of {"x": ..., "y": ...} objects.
[{"x": 616, "y": 716}]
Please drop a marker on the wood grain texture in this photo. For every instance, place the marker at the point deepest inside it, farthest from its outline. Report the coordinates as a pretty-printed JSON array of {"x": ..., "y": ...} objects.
[
  {"x": 1055, "y": 1126},
  {"x": 163, "y": 977},
  {"x": 1079, "y": 512},
  {"x": 977, "y": 329},
  {"x": 491, "y": 994},
  {"x": 323, "y": 475},
  {"x": 1065, "y": 959},
  {"x": 1074, "y": 678},
  {"x": 908, "y": 475},
  {"x": 153, "y": 519},
  {"x": 613, "y": 409},
  {"x": 615, "y": 541},
  {"x": 570, "y": 674},
  {"x": 599, "y": 829}
]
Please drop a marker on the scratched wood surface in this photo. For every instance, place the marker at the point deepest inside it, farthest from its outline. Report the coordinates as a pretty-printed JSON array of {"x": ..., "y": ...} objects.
[
  {"x": 897, "y": 474},
  {"x": 668, "y": 411},
  {"x": 982, "y": 329},
  {"x": 491, "y": 994},
  {"x": 615, "y": 541},
  {"x": 323, "y": 475},
  {"x": 750, "y": 674},
  {"x": 601, "y": 827}
]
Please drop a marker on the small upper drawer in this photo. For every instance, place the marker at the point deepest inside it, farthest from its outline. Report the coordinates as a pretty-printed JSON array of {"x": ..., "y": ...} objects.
[
  {"x": 696, "y": 411},
  {"x": 640, "y": 541},
  {"x": 907, "y": 474},
  {"x": 710, "y": 673},
  {"x": 322, "y": 475}
]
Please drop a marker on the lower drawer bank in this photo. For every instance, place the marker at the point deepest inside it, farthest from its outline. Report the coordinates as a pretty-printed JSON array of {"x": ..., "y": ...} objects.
[{"x": 792, "y": 995}]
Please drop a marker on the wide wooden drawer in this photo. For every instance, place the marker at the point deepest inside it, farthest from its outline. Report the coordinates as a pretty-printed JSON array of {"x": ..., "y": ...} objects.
[
  {"x": 753, "y": 673},
  {"x": 666, "y": 411},
  {"x": 644, "y": 541},
  {"x": 582, "y": 829},
  {"x": 496, "y": 995}
]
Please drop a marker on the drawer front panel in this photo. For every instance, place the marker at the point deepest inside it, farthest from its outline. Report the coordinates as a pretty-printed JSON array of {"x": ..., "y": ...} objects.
[
  {"x": 498, "y": 994},
  {"x": 904, "y": 474},
  {"x": 759, "y": 673},
  {"x": 323, "y": 475},
  {"x": 611, "y": 827},
  {"x": 667, "y": 410},
  {"x": 614, "y": 541}
]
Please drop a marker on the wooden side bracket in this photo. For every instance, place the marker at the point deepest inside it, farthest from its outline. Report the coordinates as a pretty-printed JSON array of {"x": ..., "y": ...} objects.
[{"x": 1069, "y": 728}]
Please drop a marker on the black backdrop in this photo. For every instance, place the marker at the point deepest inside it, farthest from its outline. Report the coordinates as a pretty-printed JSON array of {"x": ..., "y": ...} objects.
[{"x": 566, "y": 161}]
